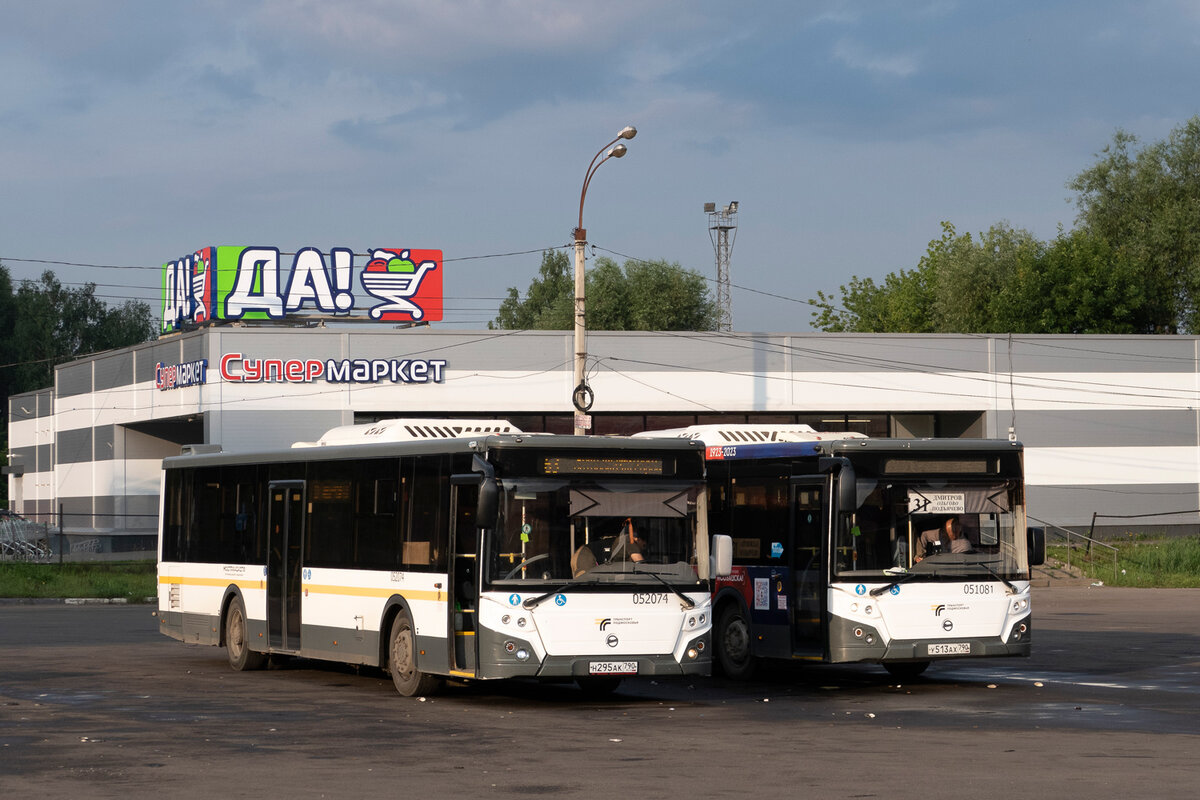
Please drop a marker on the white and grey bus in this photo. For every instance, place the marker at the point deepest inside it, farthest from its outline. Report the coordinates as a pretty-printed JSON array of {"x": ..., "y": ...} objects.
[
  {"x": 436, "y": 549},
  {"x": 848, "y": 549}
]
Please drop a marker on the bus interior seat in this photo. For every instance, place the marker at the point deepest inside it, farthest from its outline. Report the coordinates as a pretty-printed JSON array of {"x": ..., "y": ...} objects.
[{"x": 582, "y": 560}]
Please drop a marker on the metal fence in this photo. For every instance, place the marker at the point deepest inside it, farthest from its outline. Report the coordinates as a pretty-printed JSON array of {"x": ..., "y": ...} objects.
[{"x": 70, "y": 537}]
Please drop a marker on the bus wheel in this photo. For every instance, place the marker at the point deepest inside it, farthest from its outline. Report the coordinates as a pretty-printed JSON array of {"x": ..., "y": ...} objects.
[
  {"x": 733, "y": 643},
  {"x": 402, "y": 660},
  {"x": 237, "y": 644},
  {"x": 905, "y": 670},
  {"x": 598, "y": 687}
]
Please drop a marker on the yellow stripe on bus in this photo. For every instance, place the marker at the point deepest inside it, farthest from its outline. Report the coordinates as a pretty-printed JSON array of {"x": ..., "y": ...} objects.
[
  {"x": 362, "y": 591},
  {"x": 353, "y": 591},
  {"x": 242, "y": 584}
]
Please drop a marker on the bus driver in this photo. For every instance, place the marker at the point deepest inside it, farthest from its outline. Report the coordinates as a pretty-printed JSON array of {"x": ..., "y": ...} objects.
[{"x": 948, "y": 538}]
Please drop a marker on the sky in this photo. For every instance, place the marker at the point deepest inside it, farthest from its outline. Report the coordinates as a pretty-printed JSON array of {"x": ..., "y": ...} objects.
[{"x": 133, "y": 133}]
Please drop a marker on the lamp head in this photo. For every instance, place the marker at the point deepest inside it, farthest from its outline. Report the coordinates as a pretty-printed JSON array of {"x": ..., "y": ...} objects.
[
  {"x": 628, "y": 132},
  {"x": 618, "y": 151}
]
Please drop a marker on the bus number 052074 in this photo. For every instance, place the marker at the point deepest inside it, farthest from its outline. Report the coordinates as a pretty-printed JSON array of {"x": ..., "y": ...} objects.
[{"x": 649, "y": 598}]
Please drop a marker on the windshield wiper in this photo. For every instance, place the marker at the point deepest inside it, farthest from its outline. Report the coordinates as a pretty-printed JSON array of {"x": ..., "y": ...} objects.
[
  {"x": 534, "y": 602},
  {"x": 907, "y": 576},
  {"x": 1011, "y": 589},
  {"x": 688, "y": 602}
]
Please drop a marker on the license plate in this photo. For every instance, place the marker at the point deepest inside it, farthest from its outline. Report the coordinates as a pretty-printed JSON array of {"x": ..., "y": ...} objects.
[
  {"x": 950, "y": 649},
  {"x": 613, "y": 668}
]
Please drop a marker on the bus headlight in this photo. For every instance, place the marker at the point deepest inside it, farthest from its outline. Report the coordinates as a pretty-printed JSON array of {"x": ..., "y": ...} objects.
[
  {"x": 1020, "y": 605},
  {"x": 692, "y": 653},
  {"x": 523, "y": 654}
]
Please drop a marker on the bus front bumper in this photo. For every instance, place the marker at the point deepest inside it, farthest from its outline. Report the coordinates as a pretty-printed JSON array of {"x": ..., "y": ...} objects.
[{"x": 851, "y": 642}]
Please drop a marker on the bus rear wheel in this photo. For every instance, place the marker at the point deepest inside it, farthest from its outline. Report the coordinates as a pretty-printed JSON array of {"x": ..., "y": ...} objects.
[
  {"x": 905, "y": 670},
  {"x": 733, "y": 643},
  {"x": 402, "y": 660},
  {"x": 237, "y": 640}
]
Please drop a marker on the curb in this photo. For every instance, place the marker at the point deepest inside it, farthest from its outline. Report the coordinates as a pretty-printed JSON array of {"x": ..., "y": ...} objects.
[{"x": 76, "y": 601}]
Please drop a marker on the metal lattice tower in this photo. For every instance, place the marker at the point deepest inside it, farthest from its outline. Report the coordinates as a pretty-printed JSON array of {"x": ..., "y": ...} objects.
[{"x": 722, "y": 229}]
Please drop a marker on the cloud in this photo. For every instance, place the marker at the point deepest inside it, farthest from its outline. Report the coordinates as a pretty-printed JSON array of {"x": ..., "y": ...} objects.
[{"x": 856, "y": 56}]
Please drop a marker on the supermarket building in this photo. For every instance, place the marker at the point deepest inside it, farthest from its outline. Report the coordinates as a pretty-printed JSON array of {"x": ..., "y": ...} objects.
[{"x": 1110, "y": 423}]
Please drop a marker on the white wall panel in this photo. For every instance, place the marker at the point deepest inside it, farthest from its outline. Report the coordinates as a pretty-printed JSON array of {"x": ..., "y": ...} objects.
[{"x": 1083, "y": 466}]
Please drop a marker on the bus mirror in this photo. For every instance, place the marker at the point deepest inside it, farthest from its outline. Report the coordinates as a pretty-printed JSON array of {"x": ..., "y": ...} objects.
[
  {"x": 847, "y": 486},
  {"x": 722, "y": 555},
  {"x": 489, "y": 501},
  {"x": 1037, "y": 546}
]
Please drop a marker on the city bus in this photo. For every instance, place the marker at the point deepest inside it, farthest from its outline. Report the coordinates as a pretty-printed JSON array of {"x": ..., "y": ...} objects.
[
  {"x": 841, "y": 552},
  {"x": 439, "y": 550}
]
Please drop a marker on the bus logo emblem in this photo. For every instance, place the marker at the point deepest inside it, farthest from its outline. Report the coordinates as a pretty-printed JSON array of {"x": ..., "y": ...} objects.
[
  {"x": 611, "y": 641},
  {"x": 604, "y": 622},
  {"x": 947, "y": 625},
  {"x": 938, "y": 609}
]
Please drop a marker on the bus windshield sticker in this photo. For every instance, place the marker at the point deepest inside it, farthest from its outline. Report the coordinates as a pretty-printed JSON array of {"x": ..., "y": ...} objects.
[{"x": 936, "y": 502}]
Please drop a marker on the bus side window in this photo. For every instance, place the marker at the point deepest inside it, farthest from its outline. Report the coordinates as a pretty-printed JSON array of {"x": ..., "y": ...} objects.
[{"x": 428, "y": 532}]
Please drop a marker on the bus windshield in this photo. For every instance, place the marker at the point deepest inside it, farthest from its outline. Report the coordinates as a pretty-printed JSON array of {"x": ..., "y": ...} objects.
[
  {"x": 553, "y": 530},
  {"x": 934, "y": 529}
]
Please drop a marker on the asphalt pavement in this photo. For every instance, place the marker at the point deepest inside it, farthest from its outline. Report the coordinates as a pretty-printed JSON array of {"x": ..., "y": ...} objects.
[{"x": 94, "y": 702}]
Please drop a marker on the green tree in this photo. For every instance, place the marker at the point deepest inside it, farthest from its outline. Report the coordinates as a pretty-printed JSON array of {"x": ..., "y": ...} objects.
[
  {"x": 53, "y": 324},
  {"x": 640, "y": 296},
  {"x": 549, "y": 302},
  {"x": 957, "y": 287},
  {"x": 1146, "y": 206},
  {"x": 1077, "y": 285},
  {"x": 1131, "y": 265}
]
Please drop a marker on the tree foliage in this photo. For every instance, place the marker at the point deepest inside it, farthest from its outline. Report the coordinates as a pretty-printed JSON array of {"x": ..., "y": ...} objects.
[
  {"x": 639, "y": 296},
  {"x": 1131, "y": 264},
  {"x": 43, "y": 324}
]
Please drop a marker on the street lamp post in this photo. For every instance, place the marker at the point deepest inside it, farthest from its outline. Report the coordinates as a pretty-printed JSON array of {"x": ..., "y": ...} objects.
[{"x": 582, "y": 396}]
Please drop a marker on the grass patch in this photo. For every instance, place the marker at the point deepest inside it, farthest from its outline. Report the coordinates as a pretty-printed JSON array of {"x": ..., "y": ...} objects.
[
  {"x": 1144, "y": 563},
  {"x": 133, "y": 580}
]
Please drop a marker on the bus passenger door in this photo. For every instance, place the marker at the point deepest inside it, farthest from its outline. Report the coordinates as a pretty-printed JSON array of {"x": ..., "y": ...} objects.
[
  {"x": 464, "y": 578},
  {"x": 285, "y": 522},
  {"x": 808, "y": 570}
]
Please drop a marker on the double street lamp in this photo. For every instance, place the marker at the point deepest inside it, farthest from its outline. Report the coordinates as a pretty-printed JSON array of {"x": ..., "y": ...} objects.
[{"x": 582, "y": 396}]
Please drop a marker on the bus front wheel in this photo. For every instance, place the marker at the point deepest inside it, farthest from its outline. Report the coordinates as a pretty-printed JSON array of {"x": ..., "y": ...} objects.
[
  {"x": 237, "y": 640},
  {"x": 733, "y": 643},
  {"x": 402, "y": 660}
]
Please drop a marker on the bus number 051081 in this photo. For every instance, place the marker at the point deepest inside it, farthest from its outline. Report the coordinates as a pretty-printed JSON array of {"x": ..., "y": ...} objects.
[{"x": 978, "y": 588}]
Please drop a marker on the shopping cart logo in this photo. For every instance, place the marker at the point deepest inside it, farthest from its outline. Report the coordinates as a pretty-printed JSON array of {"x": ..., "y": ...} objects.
[{"x": 409, "y": 282}]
